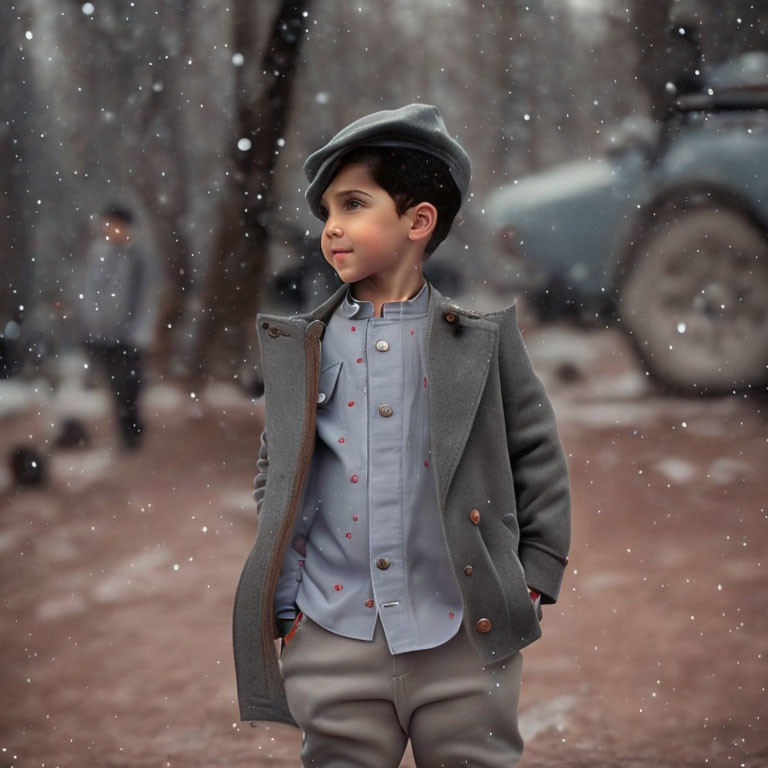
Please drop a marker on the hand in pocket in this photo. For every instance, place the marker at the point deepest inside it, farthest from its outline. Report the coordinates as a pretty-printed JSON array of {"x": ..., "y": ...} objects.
[{"x": 291, "y": 632}]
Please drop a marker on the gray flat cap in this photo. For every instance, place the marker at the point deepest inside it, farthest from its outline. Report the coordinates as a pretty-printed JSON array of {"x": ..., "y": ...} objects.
[{"x": 417, "y": 126}]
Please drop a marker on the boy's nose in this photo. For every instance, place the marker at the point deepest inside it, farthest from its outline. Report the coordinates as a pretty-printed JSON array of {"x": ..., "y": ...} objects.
[{"x": 332, "y": 230}]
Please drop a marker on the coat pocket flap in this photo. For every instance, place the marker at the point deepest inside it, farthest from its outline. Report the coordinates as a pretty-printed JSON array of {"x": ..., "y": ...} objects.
[{"x": 327, "y": 386}]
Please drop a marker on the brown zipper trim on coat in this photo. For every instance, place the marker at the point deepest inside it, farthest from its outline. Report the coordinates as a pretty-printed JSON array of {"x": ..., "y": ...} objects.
[{"x": 312, "y": 357}]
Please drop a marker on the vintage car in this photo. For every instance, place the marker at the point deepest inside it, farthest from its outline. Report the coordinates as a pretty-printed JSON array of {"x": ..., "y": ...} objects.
[{"x": 665, "y": 234}]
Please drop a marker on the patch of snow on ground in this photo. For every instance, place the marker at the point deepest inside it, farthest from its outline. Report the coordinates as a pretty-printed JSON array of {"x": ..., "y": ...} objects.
[
  {"x": 67, "y": 605},
  {"x": 223, "y": 395},
  {"x": 727, "y": 470},
  {"x": 76, "y": 470},
  {"x": 10, "y": 538},
  {"x": 134, "y": 577},
  {"x": 163, "y": 397},
  {"x": 677, "y": 470},
  {"x": 602, "y": 580},
  {"x": 241, "y": 503},
  {"x": 72, "y": 401},
  {"x": 547, "y": 714},
  {"x": 18, "y": 397}
]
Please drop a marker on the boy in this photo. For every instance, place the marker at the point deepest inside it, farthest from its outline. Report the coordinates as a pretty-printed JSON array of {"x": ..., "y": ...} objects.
[
  {"x": 414, "y": 506},
  {"x": 117, "y": 312}
]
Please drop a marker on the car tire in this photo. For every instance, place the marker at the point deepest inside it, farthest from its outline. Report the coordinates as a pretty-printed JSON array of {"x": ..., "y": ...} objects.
[{"x": 694, "y": 300}]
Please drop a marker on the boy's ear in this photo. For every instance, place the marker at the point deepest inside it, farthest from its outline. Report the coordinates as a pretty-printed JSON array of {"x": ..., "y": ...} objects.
[{"x": 423, "y": 218}]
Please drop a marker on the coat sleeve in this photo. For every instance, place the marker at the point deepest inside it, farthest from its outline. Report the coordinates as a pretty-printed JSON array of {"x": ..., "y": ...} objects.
[{"x": 539, "y": 466}]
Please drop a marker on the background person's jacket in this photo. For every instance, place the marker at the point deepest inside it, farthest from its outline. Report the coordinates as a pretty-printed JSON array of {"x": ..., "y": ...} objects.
[
  {"x": 118, "y": 302},
  {"x": 500, "y": 472}
]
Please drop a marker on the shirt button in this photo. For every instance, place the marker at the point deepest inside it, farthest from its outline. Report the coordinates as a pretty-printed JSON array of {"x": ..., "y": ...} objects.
[
  {"x": 321, "y": 397},
  {"x": 382, "y": 563},
  {"x": 483, "y": 626},
  {"x": 468, "y": 570},
  {"x": 474, "y": 516},
  {"x": 385, "y": 409},
  {"x": 382, "y": 345}
]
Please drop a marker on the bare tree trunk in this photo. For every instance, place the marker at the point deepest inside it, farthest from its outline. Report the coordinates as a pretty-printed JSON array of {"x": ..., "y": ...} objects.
[
  {"x": 235, "y": 274},
  {"x": 652, "y": 24},
  {"x": 16, "y": 289},
  {"x": 166, "y": 125}
]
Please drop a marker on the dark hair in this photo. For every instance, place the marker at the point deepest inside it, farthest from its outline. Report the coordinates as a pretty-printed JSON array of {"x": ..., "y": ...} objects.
[
  {"x": 117, "y": 211},
  {"x": 411, "y": 176}
]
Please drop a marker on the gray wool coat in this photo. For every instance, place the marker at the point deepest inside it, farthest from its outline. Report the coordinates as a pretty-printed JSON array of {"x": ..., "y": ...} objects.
[{"x": 501, "y": 480}]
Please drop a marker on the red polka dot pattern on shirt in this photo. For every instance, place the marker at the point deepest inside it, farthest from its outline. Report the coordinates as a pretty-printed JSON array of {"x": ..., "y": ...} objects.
[{"x": 353, "y": 478}]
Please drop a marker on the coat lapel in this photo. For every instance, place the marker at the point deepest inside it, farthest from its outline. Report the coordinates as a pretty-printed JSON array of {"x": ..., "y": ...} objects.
[
  {"x": 459, "y": 353},
  {"x": 458, "y": 359}
]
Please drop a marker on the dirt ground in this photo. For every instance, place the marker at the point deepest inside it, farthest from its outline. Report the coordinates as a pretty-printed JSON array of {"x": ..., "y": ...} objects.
[{"x": 118, "y": 577}]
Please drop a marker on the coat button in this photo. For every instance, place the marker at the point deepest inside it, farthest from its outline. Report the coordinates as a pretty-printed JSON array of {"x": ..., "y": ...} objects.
[
  {"x": 468, "y": 570},
  {"x": 382, "y": 563},
  {"x": 474, "y": 516},
  {"x": 369, "y": 603},
  {"x": 450, "y": 317},
  {"x": 385, "y": 409},
  {"x": 565, "y": 562},
  {"x": 483, "y": 626},
  {"x": 273, "y": 331},
  {"x": 382, "y": 345}
]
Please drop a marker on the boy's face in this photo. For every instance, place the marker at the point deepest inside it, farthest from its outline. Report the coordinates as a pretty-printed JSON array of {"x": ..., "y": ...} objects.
[{"x": 363, "y": 233}]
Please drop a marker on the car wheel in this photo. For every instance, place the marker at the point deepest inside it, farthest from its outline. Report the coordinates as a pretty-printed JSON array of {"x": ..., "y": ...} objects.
[{"x": 694, "y": 300}]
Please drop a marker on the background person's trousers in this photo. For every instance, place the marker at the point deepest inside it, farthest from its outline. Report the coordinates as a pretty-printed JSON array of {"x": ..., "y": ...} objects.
[
  {"x": 122, "y": 365},
  {"x": 357, "y": 704}
]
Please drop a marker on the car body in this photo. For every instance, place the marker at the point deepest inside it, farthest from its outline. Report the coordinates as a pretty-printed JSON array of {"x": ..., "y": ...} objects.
[{"x": 579, "y": 232}]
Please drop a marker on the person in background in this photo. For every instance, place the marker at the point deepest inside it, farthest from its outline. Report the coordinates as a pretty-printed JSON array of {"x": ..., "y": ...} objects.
[{"x": 118, "y": 312}]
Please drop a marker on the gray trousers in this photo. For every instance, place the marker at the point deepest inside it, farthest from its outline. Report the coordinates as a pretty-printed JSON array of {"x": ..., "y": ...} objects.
[{"x": 357, "y": 704}]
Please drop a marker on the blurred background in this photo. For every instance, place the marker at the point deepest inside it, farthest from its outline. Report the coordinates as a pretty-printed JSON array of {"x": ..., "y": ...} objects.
[{"x": 151, "y": 157}]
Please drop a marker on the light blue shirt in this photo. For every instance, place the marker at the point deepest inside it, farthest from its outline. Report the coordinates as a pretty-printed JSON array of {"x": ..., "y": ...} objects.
[{"x": 368, "y": 539}]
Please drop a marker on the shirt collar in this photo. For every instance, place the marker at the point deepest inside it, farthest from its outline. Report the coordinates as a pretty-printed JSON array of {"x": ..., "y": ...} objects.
[{"x": 352, "y": 307}]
